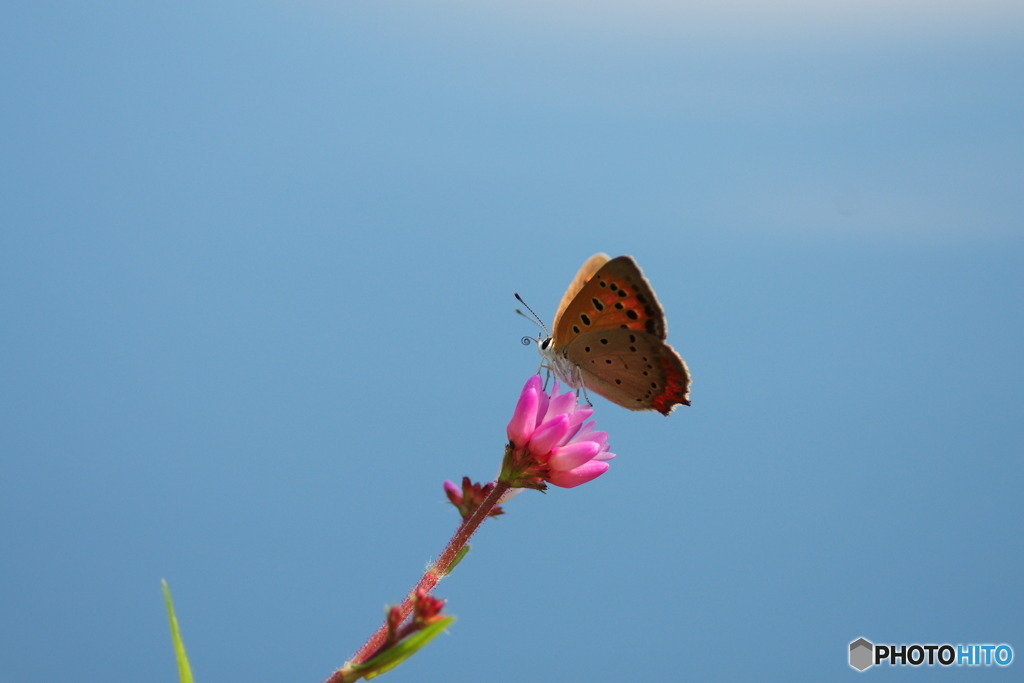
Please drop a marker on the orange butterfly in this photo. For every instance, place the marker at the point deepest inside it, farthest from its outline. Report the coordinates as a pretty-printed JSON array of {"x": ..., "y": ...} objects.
[{"x": 609, "y": 336}]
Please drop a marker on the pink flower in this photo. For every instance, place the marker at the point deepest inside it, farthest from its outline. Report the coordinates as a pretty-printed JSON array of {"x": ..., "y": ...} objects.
[{"x": 549, "y": 442}]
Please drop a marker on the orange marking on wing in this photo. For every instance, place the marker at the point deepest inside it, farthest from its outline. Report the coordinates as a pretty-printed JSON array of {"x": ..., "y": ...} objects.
[{"x": 674, "y": 392}]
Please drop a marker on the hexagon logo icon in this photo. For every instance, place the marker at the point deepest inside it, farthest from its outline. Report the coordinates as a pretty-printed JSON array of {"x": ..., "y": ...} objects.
[{"x": 862, "y": 654}]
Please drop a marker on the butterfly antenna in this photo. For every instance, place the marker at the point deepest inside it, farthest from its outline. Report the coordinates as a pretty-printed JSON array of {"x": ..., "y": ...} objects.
[{"x": 536, "y": 318}]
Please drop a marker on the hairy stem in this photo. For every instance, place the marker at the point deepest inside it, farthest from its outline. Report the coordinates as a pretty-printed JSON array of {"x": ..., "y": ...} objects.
[{"x": 430, "y": 578}]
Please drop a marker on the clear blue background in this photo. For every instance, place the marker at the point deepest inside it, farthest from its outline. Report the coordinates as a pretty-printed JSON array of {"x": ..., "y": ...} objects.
[{"x": 256, "y": 274}]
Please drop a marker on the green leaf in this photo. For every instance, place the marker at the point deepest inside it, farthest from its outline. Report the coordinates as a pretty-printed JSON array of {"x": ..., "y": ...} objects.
[
  {"x": 184, "y": 671},
  {"x": 393, "y": 656},
  {"x": 458, "y": 558}
]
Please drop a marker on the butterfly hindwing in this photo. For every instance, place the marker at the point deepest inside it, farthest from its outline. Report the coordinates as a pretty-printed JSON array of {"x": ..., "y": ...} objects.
[{"x": 632, "y": 368}]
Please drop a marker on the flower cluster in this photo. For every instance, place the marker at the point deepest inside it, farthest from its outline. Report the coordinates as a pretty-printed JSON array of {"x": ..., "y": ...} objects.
[
  {"x": 549, "y": 442},
  {"x": 426, "y": 611},
  {"x": 468, "y": 498}
]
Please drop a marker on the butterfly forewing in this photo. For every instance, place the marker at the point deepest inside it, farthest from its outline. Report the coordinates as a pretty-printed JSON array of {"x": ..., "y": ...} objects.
[
  {"x": 586, "y": 272},
  {"x": 615, "y": 296}
]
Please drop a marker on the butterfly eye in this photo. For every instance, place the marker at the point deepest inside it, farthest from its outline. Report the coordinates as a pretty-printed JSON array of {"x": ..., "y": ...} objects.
[{"x": 545, "y": 344}]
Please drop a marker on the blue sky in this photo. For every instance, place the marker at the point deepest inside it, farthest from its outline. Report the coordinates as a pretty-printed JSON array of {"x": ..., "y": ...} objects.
[{"x": 256, "y": 275}]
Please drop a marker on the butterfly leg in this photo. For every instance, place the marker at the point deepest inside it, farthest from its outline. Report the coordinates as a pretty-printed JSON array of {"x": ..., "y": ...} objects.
[
  {"x": 547, "y": 376},
  {"x": 580, "y": 386}
]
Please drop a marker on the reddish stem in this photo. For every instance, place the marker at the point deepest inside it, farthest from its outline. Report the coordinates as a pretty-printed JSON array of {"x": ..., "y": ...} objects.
[{"x": 430, "y": 578}]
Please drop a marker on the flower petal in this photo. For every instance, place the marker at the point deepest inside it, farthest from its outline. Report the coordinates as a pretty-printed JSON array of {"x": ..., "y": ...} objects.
[
  {"x": 581, "y": 475},
  {"x": 572, "y": 456},
  {"x": 588, "y": 433},
  {"x": 577, "y": 418},
  {"x": 560, "y": 404},
  {"x": 453, "y": 491},
  {"x": 524, "y": 419},
  {"x": 548, "y": 435}
]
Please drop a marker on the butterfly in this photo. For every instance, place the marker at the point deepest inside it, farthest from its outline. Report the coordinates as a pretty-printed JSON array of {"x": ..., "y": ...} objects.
[{"x": 609, "y": 337}]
